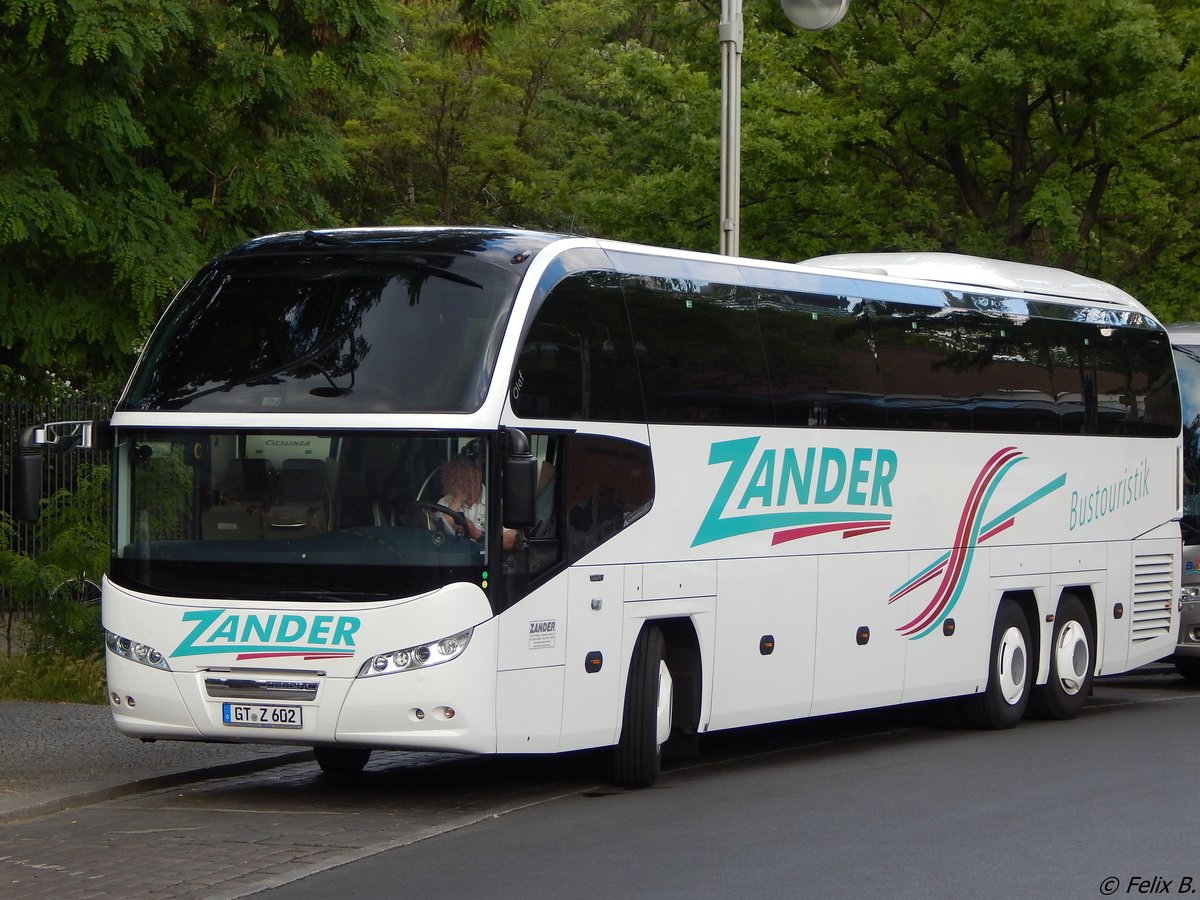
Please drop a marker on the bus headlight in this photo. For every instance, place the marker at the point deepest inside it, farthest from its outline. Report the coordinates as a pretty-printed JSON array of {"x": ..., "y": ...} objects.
[
  {"x": 135, "y": 652},
  {"x": 421, "y": 656}
]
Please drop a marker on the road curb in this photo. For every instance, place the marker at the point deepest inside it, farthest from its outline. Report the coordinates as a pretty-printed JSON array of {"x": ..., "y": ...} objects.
[{"x": 152, "y": 783}]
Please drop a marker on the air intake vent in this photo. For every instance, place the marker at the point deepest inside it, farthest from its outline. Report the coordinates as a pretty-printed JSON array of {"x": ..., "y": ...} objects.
[{"x": 1152, "y": 600}]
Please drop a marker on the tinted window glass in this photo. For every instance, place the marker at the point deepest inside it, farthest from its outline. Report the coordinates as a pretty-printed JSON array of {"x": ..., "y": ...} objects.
[
  {"x": 350, "y": 333},
  {"x": 1005, "y": 370},
  {"x": 577, "y": 360},
  {"x": 1112, "y": 380},
  {"x": 700, "y": 352},
  {"x": 821, "y": 360},
  {"x": 922, "y": 355},
  {"x": 610, "y": 484}
]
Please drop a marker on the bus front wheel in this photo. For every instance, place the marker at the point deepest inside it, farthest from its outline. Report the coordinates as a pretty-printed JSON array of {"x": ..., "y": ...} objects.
[
  {"x": 1071, "y": 663},
  {"x": 646, "y": 723},
  {"x": 341, "y": 760},
  {"x": 1003, "y": 701}
]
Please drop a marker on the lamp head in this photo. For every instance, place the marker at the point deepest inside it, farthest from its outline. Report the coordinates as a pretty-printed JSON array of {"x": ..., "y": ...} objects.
[{"x": 815, "y": 15}]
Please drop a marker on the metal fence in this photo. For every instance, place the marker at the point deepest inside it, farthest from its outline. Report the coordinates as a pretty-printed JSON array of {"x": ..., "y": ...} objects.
[{"x": 59, "y": 471}]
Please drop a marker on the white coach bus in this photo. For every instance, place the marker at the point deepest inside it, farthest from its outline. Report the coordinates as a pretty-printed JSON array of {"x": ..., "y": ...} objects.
[{"x": 495, "y": 491}]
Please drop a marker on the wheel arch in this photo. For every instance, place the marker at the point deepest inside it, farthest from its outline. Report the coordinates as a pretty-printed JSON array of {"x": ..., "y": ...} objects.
[
  {"x": 683, "y": 658},
  {"x": 1083, "y": 593}
]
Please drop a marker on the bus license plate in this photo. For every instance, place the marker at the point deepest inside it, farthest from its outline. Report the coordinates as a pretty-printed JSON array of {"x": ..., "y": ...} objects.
[{"x": 259, "y": 716}]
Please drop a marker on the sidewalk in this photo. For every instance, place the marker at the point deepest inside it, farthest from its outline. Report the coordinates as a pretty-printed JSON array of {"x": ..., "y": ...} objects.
[{"x": 57, "y": 755}]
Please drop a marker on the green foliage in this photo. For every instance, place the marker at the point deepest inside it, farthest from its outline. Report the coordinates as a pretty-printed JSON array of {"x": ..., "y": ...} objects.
[
  {"x": 52, "y": 680},
  {"x": 1057, "y": 133},
  {"x": 74, "y": 529},
  {"x": 65, "y": 628},
  {"x": 140, "y": 137}
]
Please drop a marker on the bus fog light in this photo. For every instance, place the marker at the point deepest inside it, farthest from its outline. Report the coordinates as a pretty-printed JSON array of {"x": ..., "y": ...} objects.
[{"x": 418, "y": 714}]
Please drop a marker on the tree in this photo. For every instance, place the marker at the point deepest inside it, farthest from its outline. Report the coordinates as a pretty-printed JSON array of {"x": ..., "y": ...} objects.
[
  {"x": 1061, "y": 133},
  {"x": 138, "y": 138}
]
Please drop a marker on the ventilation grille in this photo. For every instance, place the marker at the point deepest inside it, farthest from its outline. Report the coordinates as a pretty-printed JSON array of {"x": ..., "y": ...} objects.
[{"x": 1152, "y": 599}]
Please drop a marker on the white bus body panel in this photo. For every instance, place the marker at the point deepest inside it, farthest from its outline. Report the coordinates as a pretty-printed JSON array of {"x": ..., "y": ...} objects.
[{"x": 212, "y": 642}]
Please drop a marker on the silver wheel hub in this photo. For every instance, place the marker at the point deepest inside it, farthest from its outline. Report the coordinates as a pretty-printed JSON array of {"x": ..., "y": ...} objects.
[
  {"x": 663, "y": 708},
  {"x": 1072, "y": 656},
  {"x": 1012, "y": 665}
]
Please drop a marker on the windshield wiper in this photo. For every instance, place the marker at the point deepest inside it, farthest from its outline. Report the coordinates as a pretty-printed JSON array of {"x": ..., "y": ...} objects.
[
  {"x": 339, "y": 596},
  {"x": 331, "y": 240}
]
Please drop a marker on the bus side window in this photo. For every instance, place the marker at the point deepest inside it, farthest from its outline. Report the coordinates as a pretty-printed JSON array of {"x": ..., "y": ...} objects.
[
  {"x": 544, "y": 539},
  {"x": 577, "y": 361},
  {"x": 610, "y": 486}
]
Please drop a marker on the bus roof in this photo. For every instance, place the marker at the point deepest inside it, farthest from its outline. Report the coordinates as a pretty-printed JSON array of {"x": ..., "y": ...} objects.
[
  {"x": 974, "y": 271},
  {"x": 1185, "y": 333}
]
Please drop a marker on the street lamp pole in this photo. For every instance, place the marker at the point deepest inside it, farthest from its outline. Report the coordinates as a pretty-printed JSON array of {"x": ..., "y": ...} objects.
[
  {"x": 731, "y": 123},
  {"x": 811, "y": 15}
]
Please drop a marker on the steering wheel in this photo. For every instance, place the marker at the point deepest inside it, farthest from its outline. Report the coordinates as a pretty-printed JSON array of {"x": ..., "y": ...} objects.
[{"x": 460, "y": 519}]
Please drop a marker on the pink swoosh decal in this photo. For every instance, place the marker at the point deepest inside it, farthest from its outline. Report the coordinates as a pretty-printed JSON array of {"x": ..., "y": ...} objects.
[{"x": 962, "y": 542}]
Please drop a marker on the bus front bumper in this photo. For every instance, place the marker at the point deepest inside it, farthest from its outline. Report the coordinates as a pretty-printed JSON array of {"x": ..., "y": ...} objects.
[{"x": 449, "y": 707}]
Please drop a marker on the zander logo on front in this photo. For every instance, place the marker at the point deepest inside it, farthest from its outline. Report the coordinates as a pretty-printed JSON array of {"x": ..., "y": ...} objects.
[{"x": 268, "y": 635}]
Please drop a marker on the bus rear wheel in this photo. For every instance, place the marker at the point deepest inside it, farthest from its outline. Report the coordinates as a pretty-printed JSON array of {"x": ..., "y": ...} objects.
[
  {"x": 1072, "y": 661},
  {"x": 341, "y": 760},
  {"x": 646, "y": 723},
  {"x": 1002, "y": 703}
]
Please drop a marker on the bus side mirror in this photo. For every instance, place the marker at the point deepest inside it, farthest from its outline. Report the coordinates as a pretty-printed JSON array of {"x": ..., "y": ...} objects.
[
  {"x": 519, "y": 480},
  {"x": 62, "y": 437},
  {"x": 27, "y": 476}
]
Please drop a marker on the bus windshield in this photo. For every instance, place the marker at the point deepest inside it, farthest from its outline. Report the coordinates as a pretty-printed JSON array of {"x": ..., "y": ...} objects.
[
  {"x": 256, "y": 514},
  {"x": 330, "y": 332}
]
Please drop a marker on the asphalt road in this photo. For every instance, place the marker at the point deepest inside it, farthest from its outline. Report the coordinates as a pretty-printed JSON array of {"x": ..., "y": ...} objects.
[
  {"x": 1097, "y": 807},
  {"x": 848, "y": 806}
]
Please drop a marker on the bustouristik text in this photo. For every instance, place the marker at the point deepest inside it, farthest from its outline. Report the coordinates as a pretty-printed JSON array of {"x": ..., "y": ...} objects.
[{"x": 1106, "y": 499}]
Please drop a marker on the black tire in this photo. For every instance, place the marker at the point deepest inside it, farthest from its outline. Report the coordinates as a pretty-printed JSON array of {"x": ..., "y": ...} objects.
[
  {"x": 341, "y": 761},
  {"x": 1072, "y": 661},
  {"x": 1010, "y": 674},
  {"x": 637, "y": 756},
  {"x": 1189, "y": 669}
]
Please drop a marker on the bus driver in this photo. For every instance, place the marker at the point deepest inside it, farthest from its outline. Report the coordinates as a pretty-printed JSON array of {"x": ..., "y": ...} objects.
[{"x": 463, "y": 484}]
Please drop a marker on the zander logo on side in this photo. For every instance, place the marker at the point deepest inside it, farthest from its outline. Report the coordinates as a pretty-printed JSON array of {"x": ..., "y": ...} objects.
[{"x": 797, "y": 493}]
